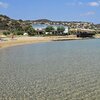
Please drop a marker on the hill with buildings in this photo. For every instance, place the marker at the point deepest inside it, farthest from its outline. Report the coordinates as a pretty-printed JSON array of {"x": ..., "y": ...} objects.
[
  {"x": 71, "y": 24},
  {"x": 97, "y": 26},
  {"x": 7, "y": 23}
]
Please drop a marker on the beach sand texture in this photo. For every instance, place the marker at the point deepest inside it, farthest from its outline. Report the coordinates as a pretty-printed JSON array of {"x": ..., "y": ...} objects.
[{"x": 7, "y": 42}]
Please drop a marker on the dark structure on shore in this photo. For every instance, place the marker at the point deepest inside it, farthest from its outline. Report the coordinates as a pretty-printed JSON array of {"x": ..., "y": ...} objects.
[{"x": 85, "y": 33}]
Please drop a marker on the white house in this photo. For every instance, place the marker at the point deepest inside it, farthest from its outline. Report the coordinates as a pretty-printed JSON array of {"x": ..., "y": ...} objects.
[
  {"x": 66, "y": 29},
  {"x": 39, "y": 27},
  {"x": 42, "y": 27}
]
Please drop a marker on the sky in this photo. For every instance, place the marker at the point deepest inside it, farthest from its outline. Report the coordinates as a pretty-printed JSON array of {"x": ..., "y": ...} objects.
[{"x": 57, "y": 10}]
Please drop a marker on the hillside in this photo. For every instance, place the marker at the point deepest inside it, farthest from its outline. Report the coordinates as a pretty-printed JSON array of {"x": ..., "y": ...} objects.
[
  {"x": 97, "y": 26},
  {"x": 7, "y": 23},
  {"x": 71, "y": 24}
]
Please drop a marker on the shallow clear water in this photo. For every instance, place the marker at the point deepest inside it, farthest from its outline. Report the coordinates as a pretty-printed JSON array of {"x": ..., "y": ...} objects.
[{"x": 62, "y": 70}]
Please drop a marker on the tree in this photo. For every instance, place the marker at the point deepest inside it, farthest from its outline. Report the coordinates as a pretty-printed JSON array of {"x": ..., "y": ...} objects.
[
  {"x": 60, "y": 29},
  {"x": 49, "y": 29},
  {"x": 30, "y": 30}
]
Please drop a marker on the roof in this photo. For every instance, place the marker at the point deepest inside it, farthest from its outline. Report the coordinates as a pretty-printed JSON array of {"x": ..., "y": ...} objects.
[{"x": 43, "y": 26}]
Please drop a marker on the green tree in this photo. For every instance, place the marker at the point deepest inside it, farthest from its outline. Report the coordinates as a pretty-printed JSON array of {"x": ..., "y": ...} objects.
[
  {"x": 60, "y": 29},
  {"x": 30, "y": 30},
  {"x": 49, "y": 29}
]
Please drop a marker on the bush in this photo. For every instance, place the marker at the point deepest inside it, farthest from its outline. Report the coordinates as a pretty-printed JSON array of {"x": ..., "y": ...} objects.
[
  {"x": 6, "y": 33},
  {"x": 19, "y": 33}
]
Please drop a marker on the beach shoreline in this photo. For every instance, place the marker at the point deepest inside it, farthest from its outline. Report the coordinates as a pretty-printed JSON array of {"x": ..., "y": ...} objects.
[{"x": 8, "y": 42}]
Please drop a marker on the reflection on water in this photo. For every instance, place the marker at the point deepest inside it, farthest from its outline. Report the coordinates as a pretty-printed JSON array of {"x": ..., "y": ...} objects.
[{"x": 63, "y": 70}]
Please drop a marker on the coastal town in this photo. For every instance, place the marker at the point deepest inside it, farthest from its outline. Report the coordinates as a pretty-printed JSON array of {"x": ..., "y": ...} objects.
[{"x": 30, "y": 31}]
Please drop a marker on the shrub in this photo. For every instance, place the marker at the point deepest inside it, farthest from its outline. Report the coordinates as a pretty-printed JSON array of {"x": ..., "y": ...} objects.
[
  {"x": 6, "y": 33},
  {"x": 19, "y": 33}
]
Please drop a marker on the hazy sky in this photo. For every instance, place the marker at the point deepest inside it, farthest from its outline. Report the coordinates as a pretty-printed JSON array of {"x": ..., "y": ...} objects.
[{"x": 64, "y": 10}]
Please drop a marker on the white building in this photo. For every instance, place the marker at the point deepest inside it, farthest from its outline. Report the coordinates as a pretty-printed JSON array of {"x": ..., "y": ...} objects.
[
  {"x": 42, "y": 27},
  {"x": 39, "y": 27}
]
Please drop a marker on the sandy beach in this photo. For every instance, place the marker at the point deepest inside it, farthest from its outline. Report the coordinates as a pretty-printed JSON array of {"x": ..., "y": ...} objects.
[{"x": 8, "y": 42}]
